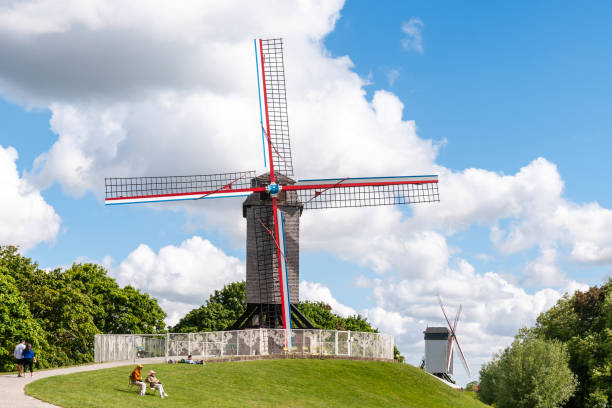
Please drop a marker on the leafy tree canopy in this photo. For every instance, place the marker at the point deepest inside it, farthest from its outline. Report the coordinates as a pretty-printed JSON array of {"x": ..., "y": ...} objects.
[
  {"x": 70, "y": 306},
  {"x": 220, "y": 311},
  {"x": 224, "y": 306},
  {"x": 16, "y": 323},
  {"x": 531, "y": 373},
  {"x": 584, "y": 323}
]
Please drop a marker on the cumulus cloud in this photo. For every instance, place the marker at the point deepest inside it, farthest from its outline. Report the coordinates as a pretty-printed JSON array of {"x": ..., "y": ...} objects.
[
  {"x": 544, "y": 270},
  {"x": 493, "y": 309},
  {"x": 101, "y": 49},
  {"x": 413, "y": 36},
  {"x": 317, "y": 292},
  {"x": 181, "y": 277},
  {"x": 26, "y": 219}
]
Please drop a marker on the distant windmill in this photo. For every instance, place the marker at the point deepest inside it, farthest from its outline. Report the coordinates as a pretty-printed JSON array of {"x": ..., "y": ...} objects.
[
  {"x": 439, "y": 343},
  {"x": 275, "y": 201}
]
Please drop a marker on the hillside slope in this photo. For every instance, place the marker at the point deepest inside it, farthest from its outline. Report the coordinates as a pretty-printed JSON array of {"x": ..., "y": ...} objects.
[{"x": 266, "y": 383}]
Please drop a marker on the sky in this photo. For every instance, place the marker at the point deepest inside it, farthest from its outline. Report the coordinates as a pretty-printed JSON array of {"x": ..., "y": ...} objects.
[{"x": 507, "y": 102}]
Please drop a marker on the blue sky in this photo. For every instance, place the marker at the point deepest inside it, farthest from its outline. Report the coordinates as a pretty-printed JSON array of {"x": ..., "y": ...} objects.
[{"x": 517, "y": 92}]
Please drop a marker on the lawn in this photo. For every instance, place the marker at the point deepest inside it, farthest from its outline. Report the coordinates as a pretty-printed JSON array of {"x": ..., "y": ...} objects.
[{"x": 263, "y": 383}]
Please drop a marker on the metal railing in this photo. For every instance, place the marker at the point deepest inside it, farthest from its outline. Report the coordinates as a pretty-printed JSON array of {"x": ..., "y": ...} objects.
[{"x": 243, "y": 343}]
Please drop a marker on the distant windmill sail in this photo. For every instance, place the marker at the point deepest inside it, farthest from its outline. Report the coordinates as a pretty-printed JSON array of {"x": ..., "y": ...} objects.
[{"x": 453, "y": 339}]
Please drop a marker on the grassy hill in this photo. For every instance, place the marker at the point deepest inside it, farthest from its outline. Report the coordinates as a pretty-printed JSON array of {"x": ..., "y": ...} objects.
[{"x": 265, "y": 383}]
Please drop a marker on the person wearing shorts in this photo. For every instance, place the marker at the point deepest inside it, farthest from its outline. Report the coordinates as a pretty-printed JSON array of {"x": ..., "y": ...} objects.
[{"x": 18, "y": 353}]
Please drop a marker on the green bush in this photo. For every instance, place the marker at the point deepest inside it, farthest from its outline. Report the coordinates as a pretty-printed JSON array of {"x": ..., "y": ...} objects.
[{"x": 531, "y": 373}]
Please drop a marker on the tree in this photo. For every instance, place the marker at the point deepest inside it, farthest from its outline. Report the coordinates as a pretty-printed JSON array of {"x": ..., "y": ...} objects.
[
  {"x": 225, "y": 306},
  {"x": 321, "y": 316},
  {"x": 116, "y": 309},
  {"x": 220, "y": 311},
  {"x": 16, "y": 323},
  {"x": 397, "y": 356},
  {"x": 471, "y": 386},
  {"x": 531, "y": 373},
  {"x": 72, "y": 305},
  {"x": 584, "y": 323}
]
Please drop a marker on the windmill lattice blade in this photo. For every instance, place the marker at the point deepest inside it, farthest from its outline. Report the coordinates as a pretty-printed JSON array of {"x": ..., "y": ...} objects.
[
  {"x": 457, "y": 318},
  {"x": 445, "y": 316},
  {"x": 265, "y": 275},
  {"x": 366, "y": 192},
  {"x": 273, "y": 72},
  {"x": 463, "y": 360},
  {"x": 449, "y": 354},
  {"x": 142, "y": 189}
]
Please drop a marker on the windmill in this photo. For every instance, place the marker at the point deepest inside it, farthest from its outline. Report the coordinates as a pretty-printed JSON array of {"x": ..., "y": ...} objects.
[
  {"x": 274, "y": 201},
  {"x": 439, "y": 342}
]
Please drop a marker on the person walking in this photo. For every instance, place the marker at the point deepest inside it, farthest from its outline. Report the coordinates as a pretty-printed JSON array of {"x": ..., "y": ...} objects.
[
  {"x": 136, "y": 378},
  {"x": 155, "y": 383},
  {"x": 18, "y": 354},
  {"x": 29, "y": 358}
]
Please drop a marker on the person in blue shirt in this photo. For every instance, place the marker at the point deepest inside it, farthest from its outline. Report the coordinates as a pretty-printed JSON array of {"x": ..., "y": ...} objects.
[{"x": 29, "y": 358}]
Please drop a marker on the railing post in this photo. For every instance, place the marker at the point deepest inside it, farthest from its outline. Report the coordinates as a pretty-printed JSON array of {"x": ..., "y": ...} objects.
[
  {"x": 335, "y": 342},
  {"x": 134, "y": 347},
  {"x": 350, "y": 342},
  {"x": 188, "y": 344},
  {"x": 321, "y": 342},
  {"x": 167, "y": 344}
]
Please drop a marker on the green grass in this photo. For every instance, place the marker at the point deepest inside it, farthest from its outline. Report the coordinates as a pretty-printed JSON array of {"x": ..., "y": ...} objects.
[{"x": 264, "y": 383}]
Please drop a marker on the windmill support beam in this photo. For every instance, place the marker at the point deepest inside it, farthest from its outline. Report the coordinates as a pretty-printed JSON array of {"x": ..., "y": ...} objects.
[{"x": 258, "y": 315}]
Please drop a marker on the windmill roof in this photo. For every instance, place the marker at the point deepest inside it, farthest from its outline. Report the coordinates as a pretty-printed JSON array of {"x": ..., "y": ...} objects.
[
  {"x": 437, "y": 333},
  {"x": 437, "y": 330}
]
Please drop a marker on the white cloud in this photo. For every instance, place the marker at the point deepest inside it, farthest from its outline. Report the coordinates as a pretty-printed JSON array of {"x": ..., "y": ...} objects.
[
  {"x": 26, "y": 219},
  {"x": 544, "y": 270},
  {"x": 493, "y": 309},
  {"x": 181, "y": 277},
  {"x": 102, "y": 49},
  {"x": 317, "y": 292},
  {"x": 388, "y": 322},
  {"x": 392, "y": 76},
  {"x": 413, "y": 36}
]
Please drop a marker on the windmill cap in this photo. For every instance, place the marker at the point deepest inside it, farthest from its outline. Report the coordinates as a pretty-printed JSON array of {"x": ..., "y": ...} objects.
[
  {"x": 437, "y": 333},
  {"x": 437, "y": 330}
]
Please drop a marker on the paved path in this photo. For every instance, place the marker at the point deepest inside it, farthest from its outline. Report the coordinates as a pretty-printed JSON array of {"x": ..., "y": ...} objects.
[{"x": 12, "y": 387}]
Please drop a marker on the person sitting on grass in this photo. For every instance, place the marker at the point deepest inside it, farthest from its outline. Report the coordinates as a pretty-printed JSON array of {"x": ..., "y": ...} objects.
[
  {"x": 155, "y": 383},
  {"x": 190, "y": 360},
  {"x": 136, "y": 379}
]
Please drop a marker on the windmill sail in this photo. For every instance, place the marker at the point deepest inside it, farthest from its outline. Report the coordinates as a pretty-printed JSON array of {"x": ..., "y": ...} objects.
[
  {"x": 453, "y": 339},
  {"x": 127, "y": 190},
  {"x": 366, "y": 191},
  {"x": 284, "y": 276},
  {"x": 275, "y": 123}
]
